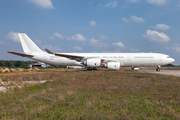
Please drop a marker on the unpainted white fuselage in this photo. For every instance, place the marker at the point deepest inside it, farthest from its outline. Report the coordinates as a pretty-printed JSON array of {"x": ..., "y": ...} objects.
[{"x": 126, "y": 59}]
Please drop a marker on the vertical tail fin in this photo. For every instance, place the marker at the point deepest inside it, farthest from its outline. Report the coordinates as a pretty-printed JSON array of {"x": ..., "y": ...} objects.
[{"x": 27, "y": 44}]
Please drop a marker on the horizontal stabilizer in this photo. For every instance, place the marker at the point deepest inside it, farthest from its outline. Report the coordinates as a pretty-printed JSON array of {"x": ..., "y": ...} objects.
[
  {"x": 21, "y": 54},
  {"x": 48, "y": 51}
]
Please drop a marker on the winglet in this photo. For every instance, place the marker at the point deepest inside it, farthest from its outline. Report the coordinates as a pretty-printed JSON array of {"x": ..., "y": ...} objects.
[{"x": 48, "y": 51}]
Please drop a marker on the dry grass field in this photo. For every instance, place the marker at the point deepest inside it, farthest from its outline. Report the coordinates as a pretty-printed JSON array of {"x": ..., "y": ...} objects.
[{"x": 102, "y": 94}]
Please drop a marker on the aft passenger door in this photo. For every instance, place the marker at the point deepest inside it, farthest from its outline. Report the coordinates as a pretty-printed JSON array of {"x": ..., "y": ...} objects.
[
  {"x": 45, "y": 57},
  {"x": 129, "y": 59}
]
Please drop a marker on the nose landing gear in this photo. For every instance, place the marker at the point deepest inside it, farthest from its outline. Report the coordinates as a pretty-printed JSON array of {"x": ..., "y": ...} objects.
[{"x": 158, "y": 68}]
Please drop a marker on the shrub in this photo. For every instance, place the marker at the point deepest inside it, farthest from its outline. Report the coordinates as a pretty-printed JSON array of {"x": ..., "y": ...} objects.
[
  {"x": 26, "y": 67},
  {"x": 35, "y": 87},
  {"x": 10, "y": 70}
]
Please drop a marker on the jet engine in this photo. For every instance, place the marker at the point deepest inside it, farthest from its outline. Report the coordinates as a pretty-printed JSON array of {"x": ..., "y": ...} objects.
[
  {"x": 113, "y": 65},
  {"x": 93, "y": 62}
]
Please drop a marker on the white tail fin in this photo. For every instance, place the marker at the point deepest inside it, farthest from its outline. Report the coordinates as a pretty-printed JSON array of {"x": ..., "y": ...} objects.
[{"x": 27, "y": 44}]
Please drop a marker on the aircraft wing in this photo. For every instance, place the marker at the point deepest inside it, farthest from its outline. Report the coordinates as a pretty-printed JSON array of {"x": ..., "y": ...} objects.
[
  {"x": 75, "y": 57},
  {"x": 72, "y": 57},
  {"x": 20, "y": 54},
  {"x": 80, "y": 58}
]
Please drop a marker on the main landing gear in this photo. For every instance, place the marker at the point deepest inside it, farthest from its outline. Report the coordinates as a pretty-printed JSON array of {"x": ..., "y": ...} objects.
[
  {"x": 91, "y": 69},
  {"x": 158, "y": 68}
]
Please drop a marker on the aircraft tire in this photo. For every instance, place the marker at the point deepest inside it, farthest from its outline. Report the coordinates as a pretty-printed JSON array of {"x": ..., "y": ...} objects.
[{"x": 158, "y": 70}]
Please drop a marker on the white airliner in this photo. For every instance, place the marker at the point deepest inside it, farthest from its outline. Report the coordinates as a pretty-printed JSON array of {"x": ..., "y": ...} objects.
[{"x": 112, "y": 61}]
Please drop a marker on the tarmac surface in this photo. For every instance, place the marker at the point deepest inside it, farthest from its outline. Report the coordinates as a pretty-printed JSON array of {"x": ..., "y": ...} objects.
[{"x": 165, "y": 72}]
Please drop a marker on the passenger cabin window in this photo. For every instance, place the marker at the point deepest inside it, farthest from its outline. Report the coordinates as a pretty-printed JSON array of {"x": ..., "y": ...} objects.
[
  {"x": 143, "y": 57},
  {"x": 95, "y": 57}
]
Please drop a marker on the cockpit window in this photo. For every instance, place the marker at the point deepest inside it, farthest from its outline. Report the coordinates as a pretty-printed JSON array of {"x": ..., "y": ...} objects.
[{"x": 168, "y": 57}]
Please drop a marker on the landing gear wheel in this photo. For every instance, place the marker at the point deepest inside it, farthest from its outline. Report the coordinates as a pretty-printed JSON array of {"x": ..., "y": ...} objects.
[
  {"x": 132, "y": 67},
  {"x": 94, "y": 68},
  {"x": 158, "y": 70},
  {"x": 89, "y": 69}
]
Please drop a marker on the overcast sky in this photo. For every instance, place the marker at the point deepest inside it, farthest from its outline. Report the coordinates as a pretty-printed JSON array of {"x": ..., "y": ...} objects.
[{"x": 92, "y": 26}]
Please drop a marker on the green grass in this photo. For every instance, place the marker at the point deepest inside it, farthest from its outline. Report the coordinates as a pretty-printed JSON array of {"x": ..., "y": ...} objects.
[{"x": 76, "y": 94}]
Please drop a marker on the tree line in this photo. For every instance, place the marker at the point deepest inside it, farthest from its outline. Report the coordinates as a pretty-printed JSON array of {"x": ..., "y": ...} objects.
[
  {"x": 16, "y": 63},
  {"x": 22, "y": 64}
]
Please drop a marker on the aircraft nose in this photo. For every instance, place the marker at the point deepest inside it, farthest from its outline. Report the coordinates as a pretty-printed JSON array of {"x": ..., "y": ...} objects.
[{"x": 172, "y": 60}]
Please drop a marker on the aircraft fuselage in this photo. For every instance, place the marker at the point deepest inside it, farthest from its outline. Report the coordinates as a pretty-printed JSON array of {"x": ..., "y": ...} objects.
[{"x": 126, "y": 59}]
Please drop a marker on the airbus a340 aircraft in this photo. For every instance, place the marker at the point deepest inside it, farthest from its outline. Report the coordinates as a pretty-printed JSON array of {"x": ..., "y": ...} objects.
[{"x": 112, "y": 61}]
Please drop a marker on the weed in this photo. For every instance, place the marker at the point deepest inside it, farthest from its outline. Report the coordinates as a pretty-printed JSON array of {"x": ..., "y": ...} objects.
[
  {"x": 35, "y": 87},
  {"x": 76, "y": 94},
  {"x": 25, "y": 70}
]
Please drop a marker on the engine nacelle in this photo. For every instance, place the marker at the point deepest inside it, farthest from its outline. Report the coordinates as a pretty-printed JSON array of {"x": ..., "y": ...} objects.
[
  {"x": 113, "y": 65},
  {"x": 93, "y": 62}
]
